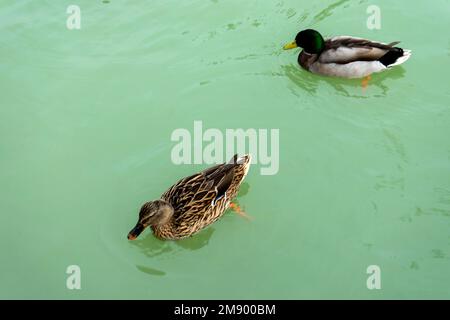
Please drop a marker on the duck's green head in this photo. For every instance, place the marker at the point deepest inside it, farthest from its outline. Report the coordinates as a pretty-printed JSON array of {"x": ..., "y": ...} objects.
[
  {"x": 153, "y": 213},
  {"x": 310, "y": 40}
]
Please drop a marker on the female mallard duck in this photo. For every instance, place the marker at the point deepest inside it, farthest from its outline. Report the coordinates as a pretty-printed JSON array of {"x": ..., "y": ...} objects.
[
  {"x": 194, "y": 202},
  {"x": 345, "y": 56}
]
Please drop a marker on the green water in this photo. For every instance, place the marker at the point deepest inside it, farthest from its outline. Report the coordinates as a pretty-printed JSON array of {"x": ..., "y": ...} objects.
[{"x": 87, "y": 116}]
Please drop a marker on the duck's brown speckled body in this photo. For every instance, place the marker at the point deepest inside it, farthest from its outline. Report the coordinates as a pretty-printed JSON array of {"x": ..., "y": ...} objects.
[{"x": 194, "y": 202}]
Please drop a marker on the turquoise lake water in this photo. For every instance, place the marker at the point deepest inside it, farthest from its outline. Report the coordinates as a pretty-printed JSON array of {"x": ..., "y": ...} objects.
[{"x": 85, "y": 139}]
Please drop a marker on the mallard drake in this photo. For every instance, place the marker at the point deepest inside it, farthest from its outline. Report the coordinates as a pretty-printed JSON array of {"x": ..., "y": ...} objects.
[
  {"x": 194, "y": 202},
  {"x": 345, "y": 56}
]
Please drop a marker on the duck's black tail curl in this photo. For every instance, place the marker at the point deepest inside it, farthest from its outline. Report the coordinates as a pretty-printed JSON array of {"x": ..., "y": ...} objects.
[{"x": 391, "y": 56}]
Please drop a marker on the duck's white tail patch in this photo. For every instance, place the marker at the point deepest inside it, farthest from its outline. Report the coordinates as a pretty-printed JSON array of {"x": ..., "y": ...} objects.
[
  {"x": 246, "y": 158},
  {"x": 406, "y": 55},
  {"x": 245, "y": 161}
]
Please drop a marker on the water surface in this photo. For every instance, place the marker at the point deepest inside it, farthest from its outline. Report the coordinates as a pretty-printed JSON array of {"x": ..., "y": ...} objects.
[{"x": 87, "y": 115}]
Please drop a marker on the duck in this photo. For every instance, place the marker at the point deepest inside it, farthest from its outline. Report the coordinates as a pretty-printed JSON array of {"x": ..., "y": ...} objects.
[
  {"x": 194, "y": 202},
  {"x": 346, "y": 56}
]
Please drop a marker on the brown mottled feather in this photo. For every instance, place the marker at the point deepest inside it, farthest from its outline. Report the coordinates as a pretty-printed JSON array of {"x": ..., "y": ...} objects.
[{"x": 202, "y": 198}]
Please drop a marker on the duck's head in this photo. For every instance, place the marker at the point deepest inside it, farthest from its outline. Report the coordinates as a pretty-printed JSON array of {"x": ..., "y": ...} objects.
[
  {"x": 153, "y": 213},
  {"x": 310, "y": 40}
]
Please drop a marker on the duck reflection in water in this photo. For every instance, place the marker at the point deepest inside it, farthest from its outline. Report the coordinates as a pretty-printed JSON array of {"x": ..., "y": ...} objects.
[
  {"x": 154, "y": 247},
  {"x": 351, "y": 88}
]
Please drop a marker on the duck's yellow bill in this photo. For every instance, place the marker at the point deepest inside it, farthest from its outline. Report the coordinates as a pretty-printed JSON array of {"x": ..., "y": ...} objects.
[{"x": 290, "y": 45}]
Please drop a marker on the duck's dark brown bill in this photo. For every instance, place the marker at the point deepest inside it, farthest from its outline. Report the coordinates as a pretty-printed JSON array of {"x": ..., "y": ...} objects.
[{"x": 135, "y": 232}]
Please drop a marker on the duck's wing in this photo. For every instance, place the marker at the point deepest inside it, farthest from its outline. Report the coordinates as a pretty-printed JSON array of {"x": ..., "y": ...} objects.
[
  {"x": 348, "y": 41},
  {"x": 346, "y": 49},
  {"x": 200, "y": 191}
]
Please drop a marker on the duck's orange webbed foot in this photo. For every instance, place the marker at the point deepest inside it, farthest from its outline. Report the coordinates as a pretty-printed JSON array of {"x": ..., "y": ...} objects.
[
  {"x": 236, "y": 208},
  {"x": 365, "y": 81}
]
